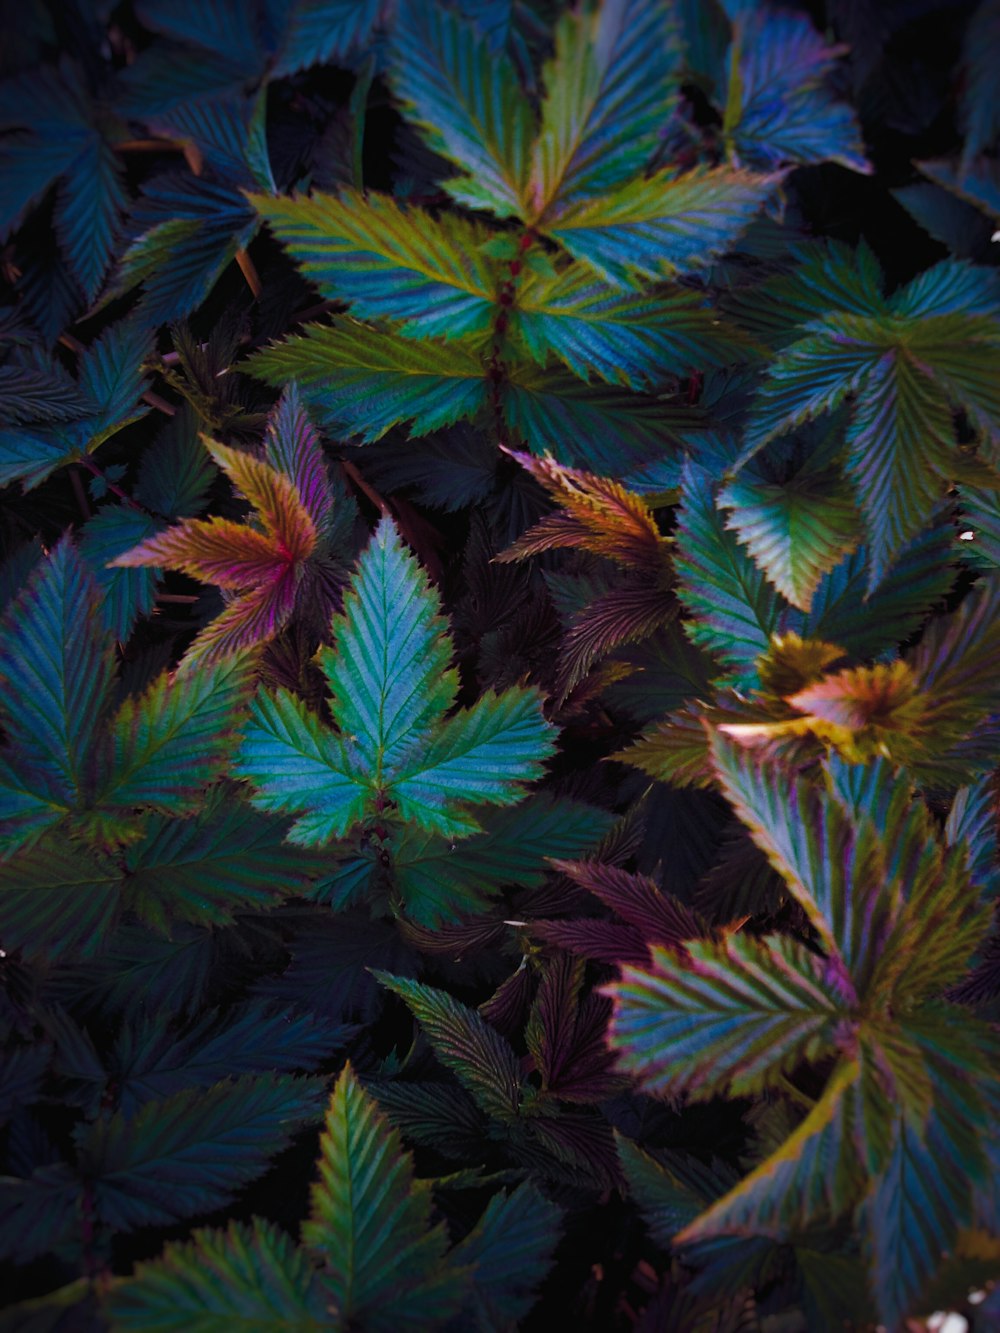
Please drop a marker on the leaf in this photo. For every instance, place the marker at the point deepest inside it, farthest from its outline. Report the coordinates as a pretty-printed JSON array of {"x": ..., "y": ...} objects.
[
  {"x": 735, "y": 610},
  {"x": 590, "y": 426},
  {"x": 391, "y": 686},
  {"x": 979, "y": 116},
  {"x": 361, "y": 381},
  {"x": 389, "y": 671},
  {"x": 898, "y": 455},
  {"x": 127, "y": 594},
  {"x": 779, "y": 110},
  {"x": 596, "y": 514},
  {"x": 914, "y": 1210},
  {"x": 566, "y": 1036},
  {"x": 512, "y": 1248},
  {"x": 482, "y": 756},
  {"x": 726, "y": 1017},
  {"x": 837, "y": 874},
  {"x": 370, "y": 1223},
  {"x": 265, "y": 568},
  {"x": 56, "y": 673},
  {"x": 670, "y": 1199},
  {"x": 298, "y": 767},
  {"x": 623, "y": 337},
  {"x": 292, "y": 447},
  {"x": 482, "y": 1061},
  {"x": 249, "y": 1276},
  {"x": 176, "y": 471},
  {"x": 812, "y": 1174},
  {"x": 388, "y": 262},
  {"x": 150, "y": 1062},
  {"x": 205, "y": 870},
  {"x": 661, "y": 226},
  {"x": 58, "y": 898},
  {"x": 214, "y": 1140},
  {"x": 168, "y": 744},
  {"x": 659, "y": 917},
  {"x": 438, "y": 879},
  {"x": 468, "y": 102},
  {"x": 795, "y": 532},
  {"x": 66, "y": 141},
  {"x": 323, "y": 32},
  {"x": 954, "y": 662},
  {"x": 608, "y": 91}
]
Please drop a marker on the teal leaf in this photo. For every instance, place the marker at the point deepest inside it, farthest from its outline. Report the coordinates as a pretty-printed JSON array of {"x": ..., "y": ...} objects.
[
  {"x": 726, "y": 1018},
  {"x": 370, "y": 1223},
  {"x": 363, "y": 381},
  {"x": 249, "y": 1276},
  {"x": 296, "y": 766},
  {"x": 191, "y": 1152},
  {"x": 388, "y": 261},
  {"x": 468, "y": 102},
  {"x": 511, "y": 1247},
  {"x": 609, "y": 90},
  {"x": 169, "y": 743},
  {"x": 56, "y": 672}
]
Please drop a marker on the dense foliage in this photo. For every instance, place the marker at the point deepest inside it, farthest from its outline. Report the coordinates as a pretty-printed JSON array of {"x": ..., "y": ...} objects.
[{"x": 500, "y": 665}]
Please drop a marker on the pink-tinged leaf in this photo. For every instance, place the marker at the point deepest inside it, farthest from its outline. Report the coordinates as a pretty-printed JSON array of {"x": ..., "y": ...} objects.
[
  {"x": 884, "y": 696},
  {"x": 255, "y": 617},
  {"x": 597, "y": 514},
  {"x": 626, "y": 614},
  {"x": 274, "y": 497},
  {"x": 566, "y": 1036},
  {"x": 215, "y": 550},
  {"x": 604, "y": 941},
  {"x": 657, "y": 916},
  {"x": 292, "y": 447}
]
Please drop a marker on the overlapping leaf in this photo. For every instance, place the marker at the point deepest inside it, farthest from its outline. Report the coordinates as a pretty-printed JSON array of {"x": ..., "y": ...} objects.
[
  {"x": 391, "y": 688},
  {"x": 388, "y": 262}
]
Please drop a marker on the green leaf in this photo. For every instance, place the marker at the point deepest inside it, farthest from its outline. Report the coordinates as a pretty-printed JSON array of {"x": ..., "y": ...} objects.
[
  {"x": 669, "y": 1199},
  {"x": 391, "y": 686},
  {"x": 735, "y": 609},
  {"x": 127, "y": 593},
  {"x": 191, "y": 1152},
  {"x": 168, "y": 744},
  {"x": 899, "y": 455},
  {"x": 387, "y": 261},
  {"x": 468, "y": 102},
  {"x": 623, "y": 337},
  {"x": 362, "y": 381},
  {"x": 813, "y": 1173},
  {"x": 593, "y": 426},
  {"x": 370, "y": 1223},
  {"x": 438, "y": 879},
  {"x": 463, "y": 1041},
  {"x": 796, "y": 532},
  {"x": 389, "y": 670},
  {"x": 511, "y": 1247},
  {"x": 482, "y": 756},
  {"x": 661, "y": 226},
  {"x": 835, "y": 872},
  {"x": 58, "y": 898},
  {"x": 726, "y": 1018},
  {"x": 206, "y": 869},
  {"x": 299, "y": 767},
  {"x": 609, "y": 90},
  {"x": 56, "y": 672},
  {"x": 249, "y": 1277}
]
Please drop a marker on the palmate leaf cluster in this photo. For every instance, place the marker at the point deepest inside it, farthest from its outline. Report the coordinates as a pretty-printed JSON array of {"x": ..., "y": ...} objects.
[{"x": 499, "y": 625}]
